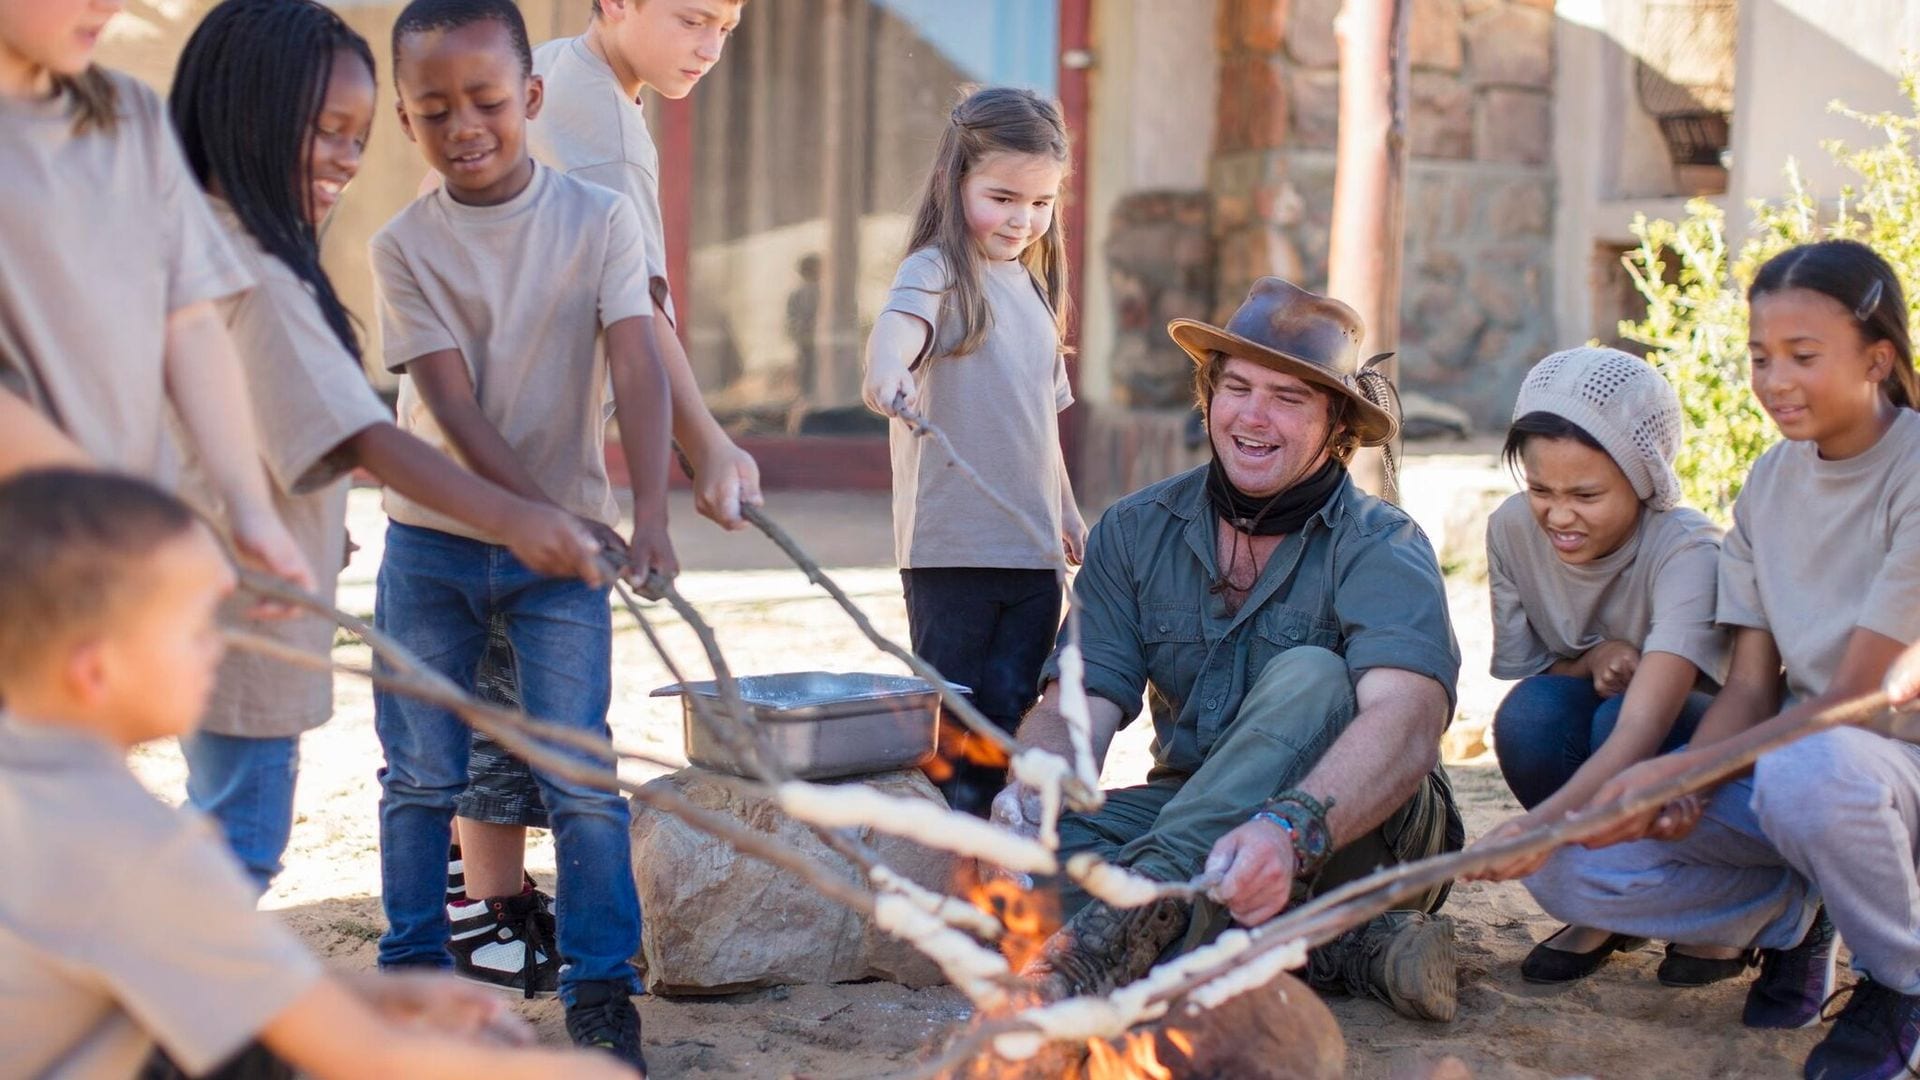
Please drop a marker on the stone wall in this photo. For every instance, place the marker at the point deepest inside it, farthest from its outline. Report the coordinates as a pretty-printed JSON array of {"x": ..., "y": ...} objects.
[{"x": 1475, "y": 296}]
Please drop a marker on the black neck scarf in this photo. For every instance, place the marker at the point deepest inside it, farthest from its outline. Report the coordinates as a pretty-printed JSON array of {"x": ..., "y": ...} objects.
[{"x": 1272, "y": 515}]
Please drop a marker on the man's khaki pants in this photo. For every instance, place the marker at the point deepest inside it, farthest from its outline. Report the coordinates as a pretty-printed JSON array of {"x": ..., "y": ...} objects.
[{"x": 1298, "y": 705}]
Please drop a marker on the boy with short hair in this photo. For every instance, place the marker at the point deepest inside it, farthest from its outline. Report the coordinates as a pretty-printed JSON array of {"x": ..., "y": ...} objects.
[
  {"x": 591, "y": 125},
  {"x": 129, "y": 943},
  {"x": 496, "y": 292}
]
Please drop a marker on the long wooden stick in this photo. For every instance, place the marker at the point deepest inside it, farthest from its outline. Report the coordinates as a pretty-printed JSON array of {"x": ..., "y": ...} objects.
[
  {"x": 1353, "y": 904},
  {"x": 520, "y": 734}
]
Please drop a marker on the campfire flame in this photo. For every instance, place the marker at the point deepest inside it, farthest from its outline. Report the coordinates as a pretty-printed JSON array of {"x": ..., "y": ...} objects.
[
  {"x": 1030, "y": 916},
  {"x": 1135, "y": 1058},
  {"x": 956, "y": 744}
]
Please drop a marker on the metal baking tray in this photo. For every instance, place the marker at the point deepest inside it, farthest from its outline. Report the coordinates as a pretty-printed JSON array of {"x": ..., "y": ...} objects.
[{"x": 823, "y": 724}]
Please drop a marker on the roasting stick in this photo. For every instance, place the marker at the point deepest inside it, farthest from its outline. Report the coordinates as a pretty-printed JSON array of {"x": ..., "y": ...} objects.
[
  {"x": 1351, "y": 905},
  {"x": 1073, "y": 686},
  {"x": 1079, "y": 795},
  {"x": 521, "y": 735}
]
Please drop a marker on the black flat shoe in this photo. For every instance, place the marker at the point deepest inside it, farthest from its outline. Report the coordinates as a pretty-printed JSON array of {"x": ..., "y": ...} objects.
[
  {"x": 1550, "y": 965},
  {"x": 1678, "y": 969}
]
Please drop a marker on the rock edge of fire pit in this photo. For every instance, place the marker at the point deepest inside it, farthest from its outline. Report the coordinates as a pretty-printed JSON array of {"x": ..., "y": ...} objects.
[{"x": 717, "y": 921}]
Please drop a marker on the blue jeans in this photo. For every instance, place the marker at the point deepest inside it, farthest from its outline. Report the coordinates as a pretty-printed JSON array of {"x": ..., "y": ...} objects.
[
  {"x": 1549, "y": 726},
  {"x": 247, "y": 786},
  {"x": 437, "y": 594}
]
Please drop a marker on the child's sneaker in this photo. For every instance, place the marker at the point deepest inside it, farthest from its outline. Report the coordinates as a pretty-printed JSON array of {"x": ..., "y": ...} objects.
[
  {"x": 602, "y": 1017},
  {"x": 1876, "y": 1037},
  {"x": 1795, "y": 982},
  {"x": 507, "y": 941}
]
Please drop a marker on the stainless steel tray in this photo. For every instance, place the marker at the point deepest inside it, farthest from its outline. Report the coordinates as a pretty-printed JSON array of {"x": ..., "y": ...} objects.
[{"x": 823, "y": 724}]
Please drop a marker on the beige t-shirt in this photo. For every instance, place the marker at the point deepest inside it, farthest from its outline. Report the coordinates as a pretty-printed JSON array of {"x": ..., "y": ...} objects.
[
  {"x": 124, "y": 922},
  {"x": 589, "y": 128},
  {"x": 102, "y": 236},
  {"x": 523, "y": 290},
  {"x": 1000, "y": 405},
  {"x": 1821, "y": 547},
  {"x": 1656, "y": 592},
  {"x": 309, "y": 395}
]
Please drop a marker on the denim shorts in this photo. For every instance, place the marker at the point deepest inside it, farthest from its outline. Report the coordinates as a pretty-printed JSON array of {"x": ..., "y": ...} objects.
[{"x": 500, "y": 787}]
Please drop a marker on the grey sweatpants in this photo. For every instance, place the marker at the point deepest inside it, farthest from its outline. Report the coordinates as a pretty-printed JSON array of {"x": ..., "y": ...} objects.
[{"x": 1834, "y": 817}]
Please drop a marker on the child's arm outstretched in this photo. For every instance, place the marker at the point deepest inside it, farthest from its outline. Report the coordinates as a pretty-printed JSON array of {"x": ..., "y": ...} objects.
[
  {"x": 643, "y": 403},
  {"x": 896, "y": 344},
  {"x": 546, "y": 538},
  {"x": 205, "y": 384},
  {"x": 1073, "y": 527},
  {"x": 333, "y": 1033}
]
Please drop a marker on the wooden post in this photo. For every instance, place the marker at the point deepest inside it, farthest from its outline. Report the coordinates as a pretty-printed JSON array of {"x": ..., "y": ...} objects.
[
  {"x": 1367, "y": 244},
  {"x": 843, "y": 189}
]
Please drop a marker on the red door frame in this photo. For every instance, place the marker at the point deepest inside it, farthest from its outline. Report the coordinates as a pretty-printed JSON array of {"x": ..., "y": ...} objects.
[{"x": 842, "y": 463}]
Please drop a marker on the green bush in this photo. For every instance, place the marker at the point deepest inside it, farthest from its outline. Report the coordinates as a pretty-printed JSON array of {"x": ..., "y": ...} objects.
[{"x": 1695, "y": 330}]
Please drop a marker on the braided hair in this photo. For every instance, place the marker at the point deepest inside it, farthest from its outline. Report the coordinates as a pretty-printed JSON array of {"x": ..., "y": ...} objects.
[{"x": 250, "y": 83}]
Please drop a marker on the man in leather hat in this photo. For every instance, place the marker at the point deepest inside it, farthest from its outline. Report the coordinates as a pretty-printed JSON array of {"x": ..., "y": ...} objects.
[{"x": 1291, "y": 634}]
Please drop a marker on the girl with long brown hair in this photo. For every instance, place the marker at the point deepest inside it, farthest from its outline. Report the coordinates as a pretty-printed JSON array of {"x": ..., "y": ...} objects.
[{"x": 972, "y": 338}]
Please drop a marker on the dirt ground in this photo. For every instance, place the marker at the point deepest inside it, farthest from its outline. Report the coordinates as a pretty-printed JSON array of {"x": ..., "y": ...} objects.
[{"x": 1619, "y": 1023}]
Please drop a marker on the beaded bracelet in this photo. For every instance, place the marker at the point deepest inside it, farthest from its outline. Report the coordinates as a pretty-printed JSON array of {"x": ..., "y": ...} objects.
[{"x": 1305, "y": 819}]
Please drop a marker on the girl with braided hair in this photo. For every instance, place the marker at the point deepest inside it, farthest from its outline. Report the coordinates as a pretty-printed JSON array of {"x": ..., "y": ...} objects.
[{"x": 274, "y": 101}]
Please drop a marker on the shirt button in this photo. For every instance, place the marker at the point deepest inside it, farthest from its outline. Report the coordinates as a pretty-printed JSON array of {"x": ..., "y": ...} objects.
[
  {"x": 1164, "y": 628},
  {"x": 1213, "y": 703}
]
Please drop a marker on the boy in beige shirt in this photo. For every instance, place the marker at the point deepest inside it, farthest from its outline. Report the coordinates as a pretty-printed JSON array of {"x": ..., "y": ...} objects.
[
  {"x": 129, "y": 943},
  {"x": 510, "y": 298},
  {"x": 592, "y": 126}
]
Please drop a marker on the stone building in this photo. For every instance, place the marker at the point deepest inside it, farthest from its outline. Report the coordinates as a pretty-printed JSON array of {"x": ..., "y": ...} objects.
[{"x": 1205, "y": 134}]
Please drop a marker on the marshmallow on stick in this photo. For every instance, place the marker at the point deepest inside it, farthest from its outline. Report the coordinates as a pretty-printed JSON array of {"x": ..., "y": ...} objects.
[
  {"x": 857, "y": 806},
  {"x": 953, "y": 912},
  {"x": 1077, "y": 713},
  {"x": 978, "y": 972}
]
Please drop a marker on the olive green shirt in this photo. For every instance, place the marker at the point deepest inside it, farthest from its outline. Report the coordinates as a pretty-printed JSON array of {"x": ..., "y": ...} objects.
[{"x": 1359, "y": 579}]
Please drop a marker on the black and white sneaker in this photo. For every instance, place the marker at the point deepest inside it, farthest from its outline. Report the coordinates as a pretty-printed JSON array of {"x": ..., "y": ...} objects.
[
  {"x": 602, "y": 1017},
  {"x": 506, "y": 942}
]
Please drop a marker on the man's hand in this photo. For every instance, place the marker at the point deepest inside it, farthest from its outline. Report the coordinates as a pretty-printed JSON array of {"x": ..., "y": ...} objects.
[
  {"x": 553, "y": 542},
  {"x": 1017, "y": 808},
  {"x": 1255, "y": 866},
  {"x": 1517, "y": 867},
  {"x": 725, "y": 478},
  {"x": 439, "y": 1003},
  {"x": 1613, "y": 664},
  {"x": 1670, "y": 822}
]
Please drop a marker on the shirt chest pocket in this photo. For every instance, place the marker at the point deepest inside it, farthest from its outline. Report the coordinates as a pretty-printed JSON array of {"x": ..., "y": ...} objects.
[
  {"x": 1279, "y": 627},
  {"x": 1174, "y": 647}
]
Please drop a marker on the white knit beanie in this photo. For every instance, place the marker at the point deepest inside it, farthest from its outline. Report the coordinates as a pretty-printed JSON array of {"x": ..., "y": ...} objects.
[{"x": 1621, "y": 401}]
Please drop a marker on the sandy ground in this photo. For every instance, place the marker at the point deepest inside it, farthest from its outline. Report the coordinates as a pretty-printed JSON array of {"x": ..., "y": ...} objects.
[{"x": 1619, "y": 1023}]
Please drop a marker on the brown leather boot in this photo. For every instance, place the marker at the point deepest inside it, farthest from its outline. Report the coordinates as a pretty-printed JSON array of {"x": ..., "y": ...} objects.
[
  {"x": 1104, "y": 947},
  {"x": 1403, "y": 958}
]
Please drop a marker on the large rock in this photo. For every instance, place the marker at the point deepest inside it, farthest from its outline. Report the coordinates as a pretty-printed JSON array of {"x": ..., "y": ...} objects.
[{"x": 717, "y": 921}]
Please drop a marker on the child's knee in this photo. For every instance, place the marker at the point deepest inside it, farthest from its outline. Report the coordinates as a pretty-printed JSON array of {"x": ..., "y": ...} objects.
[{"x": 1797, "y": 786}]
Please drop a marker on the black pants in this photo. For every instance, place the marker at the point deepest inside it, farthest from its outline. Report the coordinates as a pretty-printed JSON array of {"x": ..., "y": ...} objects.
[{"x": 989, "y": 629}]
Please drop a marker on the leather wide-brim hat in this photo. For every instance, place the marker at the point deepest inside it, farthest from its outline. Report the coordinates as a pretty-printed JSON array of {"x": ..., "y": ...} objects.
[{"x": 1290, "y": 330}]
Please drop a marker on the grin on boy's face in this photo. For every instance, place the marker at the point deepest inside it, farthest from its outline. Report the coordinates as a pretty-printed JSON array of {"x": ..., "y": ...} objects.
[
  {"x": 465, "y": 99},
  {"x": 1580, "y": 499},
  {"x": 670, "y": 44}
]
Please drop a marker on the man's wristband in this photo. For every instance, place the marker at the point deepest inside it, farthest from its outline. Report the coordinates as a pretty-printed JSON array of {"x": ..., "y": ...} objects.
[{"x": 1305, "y": 819}]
